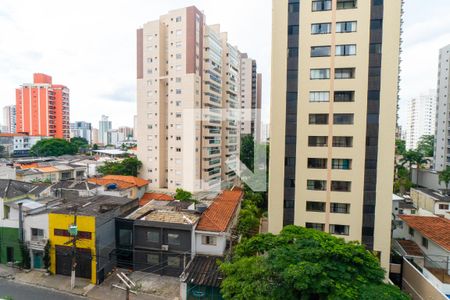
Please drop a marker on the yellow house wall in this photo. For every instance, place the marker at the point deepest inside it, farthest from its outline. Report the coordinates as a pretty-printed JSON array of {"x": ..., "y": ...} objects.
[{"x": 85, "y": 223}]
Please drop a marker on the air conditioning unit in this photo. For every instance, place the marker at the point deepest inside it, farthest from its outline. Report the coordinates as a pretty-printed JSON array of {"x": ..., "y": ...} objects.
[{"x": 165, "y": 247}]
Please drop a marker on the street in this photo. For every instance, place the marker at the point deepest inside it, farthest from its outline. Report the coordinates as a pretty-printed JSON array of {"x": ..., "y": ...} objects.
[{"x": 17, "y": 291}]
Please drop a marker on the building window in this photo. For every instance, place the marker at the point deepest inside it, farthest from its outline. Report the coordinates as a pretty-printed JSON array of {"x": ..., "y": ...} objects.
[
  {"x": 153, "y": 236},
  {"x": 344, "y": 27},
  {"x": 178, "y": 79},
  {"x": 339, "y": 229},
  {"x": 178, "y": 149},
  {"x": 173, "y": 261},
  {"x": 152, "y": 259},
  {"x": 81, "y": 234},
  {"x": 321, "y": 28},
  {"x": 178, "y": 32},
  {"x": 344, "y": 96},
  {"x": 178, "y": 19},
  {"x": 318, "y": 141},
  {"x": 293, "y": 29},
  {"x": 443, "y": 206},
  {"x": 344, "y": 73},
  {"x": 319, "y": 96},
  {"x": 376, "y": 24},
  {"x": 318, "y": 119},
  {"x": 343, "y": 141},
  {"x": 294, "y": 8},
  {"x": 425, "y": 242},
  {"x": 341, "y": 164},
  {"x": 317, "y": 185},
  {"x": 315, "y": 206},
  {"x": 321, "y": 5},
  {"x": 293, "y": 52},
  {"x": 209, "y": 240},
  {"x": 125, "y": 237},
  {"x": 340, "y": 208},
  {"x": 320, "y": 74},
  {"x": 343, "y": 119},
  {"x": 37, "y": 234},
  {"x": 345, "y": 4},
  {"x": 178, "y": 56},
  {"x": 317, "y": 163},
  {"x": 320, "y": 51},
  {"x": 345, "y": 50},
  {"x": 341, "y": 186},
  {"x": 178, "y": 91},
  {"x": 375, "y": 48},
  {"x": 174, "y": 239},
  {"x": 178, "y": 44},
  {"x": 411, "y": 231},
  {"x": 316, "y": 226}
]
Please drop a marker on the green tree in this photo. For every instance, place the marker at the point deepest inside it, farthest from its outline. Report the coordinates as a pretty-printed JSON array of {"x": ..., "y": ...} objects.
[
  {"x": 444, "y": 176},
  {"x": 46, "y": 258},
  {"x": 247, "y": 151},
  {"x": 95, "y": 147},
  {"x": 402, "y": 182},
  {"x": 53, "y": 147},
  {"x": 79, "y": 143},
  {"x": 302, "y": 263},
  {"x": 426, "y": 145},
  {"x": 2, "y": 151},
  {"x": 400, "y": 147},
  {"x": 183, "y": 195},
  {"x": 129, "y": 166},
  {"x": 25, "y": 252}
]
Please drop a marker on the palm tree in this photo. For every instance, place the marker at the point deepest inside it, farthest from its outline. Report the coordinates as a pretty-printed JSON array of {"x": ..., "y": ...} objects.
[
  {"x": 444, "y": 176},
  {"x": 411, "y": 157},
  {"x": 419, "y": 160}
]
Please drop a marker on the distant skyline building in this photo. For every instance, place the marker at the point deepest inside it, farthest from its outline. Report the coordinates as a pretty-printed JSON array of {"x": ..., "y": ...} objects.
[
  {"x": 104, "y": 125},
  {"x": 81, "y": 129},
  {"x": 95, "y": 136},
  {"x": 421, "y": 118},
  {"x": 250, "y": 95},
  {"x": 125, "y": 133},
  {"x": 42, "y": 108},
  {"x": 334, "y": 92},
  {"x": 442, "y": 135},
  {"x": 183, "y": 67},
  {"x": 9, "y": 118}
]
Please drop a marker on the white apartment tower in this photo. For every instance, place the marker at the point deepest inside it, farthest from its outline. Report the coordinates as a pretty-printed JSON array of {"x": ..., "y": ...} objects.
[
  {"x": 442, "y": 133},
  {"x": 9, "y": 118},
  {"x": 187, "y": 82},
  {"x": 421, "y": 118},
  {"x": 104, "y": 125}
]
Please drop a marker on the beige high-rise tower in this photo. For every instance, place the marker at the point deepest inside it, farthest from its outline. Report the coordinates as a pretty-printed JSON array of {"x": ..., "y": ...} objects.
[
  {"x": 188, "y": 80},
  {"x": 335, "y": 68}
]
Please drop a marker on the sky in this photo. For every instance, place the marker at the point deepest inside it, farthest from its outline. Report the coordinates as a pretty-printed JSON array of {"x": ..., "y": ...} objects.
[{"x": 90, "y": 46}]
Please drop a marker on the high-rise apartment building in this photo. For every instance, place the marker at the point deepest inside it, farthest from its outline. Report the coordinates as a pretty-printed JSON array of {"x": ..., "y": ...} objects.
[
  {"x": 125, "y": 133},
  {"x": 250, "y": 98},
  {"x": 104, "y": 125},
  {"x": 9, "y": 118},
  {"x": 188, "y": 82},
  {"x": 421, "y": 118},
  {"x": 95, "y": 136},
  {"x": 42, "y": 108},
  {"x": 335, "y": 67},
  {"x": 442, "y": 134},
  {"x": 81, "y": 129}
]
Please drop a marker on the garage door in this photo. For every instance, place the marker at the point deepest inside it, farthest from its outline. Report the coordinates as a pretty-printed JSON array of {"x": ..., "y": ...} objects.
[{"x": 64, "y": 262}]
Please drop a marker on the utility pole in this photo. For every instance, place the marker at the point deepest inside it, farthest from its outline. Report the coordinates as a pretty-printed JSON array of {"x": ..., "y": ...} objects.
[{"x": 74, "y": 248}]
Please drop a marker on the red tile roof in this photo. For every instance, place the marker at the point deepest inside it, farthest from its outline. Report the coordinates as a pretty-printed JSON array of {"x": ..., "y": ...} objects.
[
  {"x": 219, "y": 214},
  {"x": 434, "y": 228},
  {"x": 123, "y": 182},
  {"x": 154, "y": 196}
]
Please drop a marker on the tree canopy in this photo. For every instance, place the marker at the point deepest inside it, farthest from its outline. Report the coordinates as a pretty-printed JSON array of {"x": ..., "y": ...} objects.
[
  {"x": 444, "y": 176},
  {"x": 183, "y": 195},
  {"x": 302, "y": 263},
  {"x": 426, "y": 145},
  {"x": 53, "y": 147},
  {"x": 128, "y": 167},
  {"x": 80, "y": 143}
]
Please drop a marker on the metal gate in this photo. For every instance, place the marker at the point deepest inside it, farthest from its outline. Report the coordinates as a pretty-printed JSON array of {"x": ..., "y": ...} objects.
[{"x": 64, "y": 262}]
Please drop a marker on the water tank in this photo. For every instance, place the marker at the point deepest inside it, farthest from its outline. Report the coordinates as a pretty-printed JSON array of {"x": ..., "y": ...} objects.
[
  {"x": 201, "y": 208},
  {"x": 111, "y": 186}
]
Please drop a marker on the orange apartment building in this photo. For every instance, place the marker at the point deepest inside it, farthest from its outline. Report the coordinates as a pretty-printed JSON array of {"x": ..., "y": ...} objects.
[{"x": 42, "y": 108}]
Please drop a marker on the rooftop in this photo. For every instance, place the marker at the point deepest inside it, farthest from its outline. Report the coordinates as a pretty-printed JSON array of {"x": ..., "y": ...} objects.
[
  {"x": 439, "y": 195},
  {"x": 122, "y": 182},
  {"x": 434, "y": 228},
  {"x": 410, "y": 247},
  {"x": 13, "y": 188},
  {"x": 93, "y": 206},
  {"x": 74, "y": 185},
  {"x": 203, "y": 270},
  {"x": 220, "y": 213},
  {"x": 167, "y": 212},
  {"x": 154, "y": 196}
]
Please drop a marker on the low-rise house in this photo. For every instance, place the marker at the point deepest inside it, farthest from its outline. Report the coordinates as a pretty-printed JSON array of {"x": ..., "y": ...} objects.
[
  {"x": 155, "y": 196},
  {"x": 435, "y": 202},
  {"x": 50, "y": 172},
  {"x": 213, "y": 232},
  {"x": 95, "y": 243},
  {"x": 122, "y": 186},
  {"x": 11, "y": 191},
  {"x": 425, "y": 240},
  {"x": 19, "y": 144}
]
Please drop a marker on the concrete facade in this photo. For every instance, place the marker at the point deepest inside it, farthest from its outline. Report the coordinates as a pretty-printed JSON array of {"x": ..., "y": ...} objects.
[
  {"x": 333, "y": 101},
  {"x": 421, "y": 118}
]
